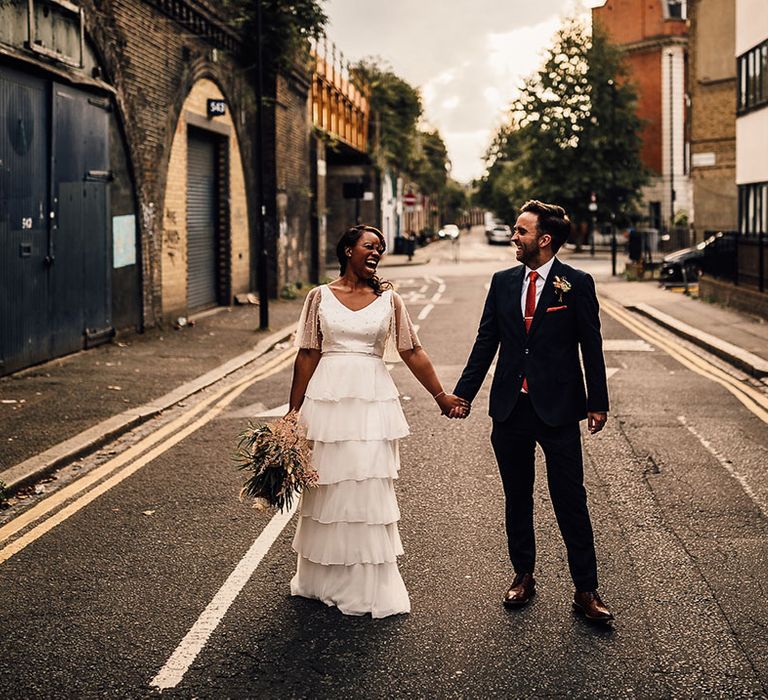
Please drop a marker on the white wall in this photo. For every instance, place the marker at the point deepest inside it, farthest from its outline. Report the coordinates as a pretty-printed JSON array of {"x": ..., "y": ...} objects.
[
  {"x": 751, "y": 24},
  {"x": 676, "y": 164},
  {"x": 752, "y": 147},
  {"x": 388, "y": 210},
  {"x": 752, "y": 128}
]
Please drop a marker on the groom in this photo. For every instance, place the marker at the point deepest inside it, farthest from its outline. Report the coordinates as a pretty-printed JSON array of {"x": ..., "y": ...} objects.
[{"x": 538, "y": 315}]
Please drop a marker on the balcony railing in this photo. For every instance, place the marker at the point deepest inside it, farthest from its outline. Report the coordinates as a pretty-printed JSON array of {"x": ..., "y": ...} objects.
[
  {"x": 340, "y": 106},
  {"x": 739, "y": 258}
]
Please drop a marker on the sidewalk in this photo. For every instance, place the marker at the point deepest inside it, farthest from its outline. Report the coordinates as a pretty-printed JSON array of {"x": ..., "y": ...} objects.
[
  {"x": 738, "y": 338},
  {"x": 52, "y": 413}
]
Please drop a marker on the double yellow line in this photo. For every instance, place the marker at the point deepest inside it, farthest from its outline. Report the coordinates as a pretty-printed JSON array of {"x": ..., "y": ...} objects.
[
  {"x": 754, "y": 400},
  {"x": 130, "y": 461}
]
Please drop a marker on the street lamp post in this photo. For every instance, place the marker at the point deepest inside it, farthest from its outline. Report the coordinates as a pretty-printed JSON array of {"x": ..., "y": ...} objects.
[
  {"x": 262, "y": 263},
  {"x": 612, "y": 195},
  {"x": 671, "y": 142}
]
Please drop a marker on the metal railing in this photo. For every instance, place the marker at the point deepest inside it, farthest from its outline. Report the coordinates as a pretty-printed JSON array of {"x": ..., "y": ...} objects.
[
  {"x": 675, "y": 239},
  {"x": 739, "y": 258}
]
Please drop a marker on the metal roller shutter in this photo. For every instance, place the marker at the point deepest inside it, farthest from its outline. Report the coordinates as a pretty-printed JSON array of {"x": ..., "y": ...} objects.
[{"x": 201, "y": 222}]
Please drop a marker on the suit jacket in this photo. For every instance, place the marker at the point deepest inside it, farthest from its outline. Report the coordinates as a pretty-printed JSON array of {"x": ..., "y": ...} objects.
[{"x": 548, "y": 355}]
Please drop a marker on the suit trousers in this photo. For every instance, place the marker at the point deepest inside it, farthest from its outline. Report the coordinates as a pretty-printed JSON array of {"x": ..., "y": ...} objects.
[{"x": 514, "y": 443}]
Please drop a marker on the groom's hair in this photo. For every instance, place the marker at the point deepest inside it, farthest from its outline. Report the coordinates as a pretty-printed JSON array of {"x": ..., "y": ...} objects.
[{"x": 551, "y": 219}]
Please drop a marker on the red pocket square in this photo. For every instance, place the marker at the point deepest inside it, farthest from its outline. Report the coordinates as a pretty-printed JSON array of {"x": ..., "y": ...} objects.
[{"x": 556, "y": 308}]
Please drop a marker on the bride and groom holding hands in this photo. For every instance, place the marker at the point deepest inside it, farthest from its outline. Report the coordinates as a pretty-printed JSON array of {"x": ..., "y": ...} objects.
[{"x": 538, "y": 316}]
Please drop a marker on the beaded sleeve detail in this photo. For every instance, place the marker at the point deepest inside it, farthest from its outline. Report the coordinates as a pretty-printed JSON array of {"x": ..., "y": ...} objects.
[
  {"x": 308, "y": 333},
  {"x": 402, "y": 332}
]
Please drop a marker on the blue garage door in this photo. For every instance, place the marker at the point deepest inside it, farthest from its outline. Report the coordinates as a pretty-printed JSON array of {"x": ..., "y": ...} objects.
[{"x": 54, "y": 230}]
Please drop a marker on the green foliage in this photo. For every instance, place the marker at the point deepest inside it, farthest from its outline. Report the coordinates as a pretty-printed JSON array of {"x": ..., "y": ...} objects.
[
  {"x": 395, "y": 111},
  {"x": 287, "y": 26},
  {"x": 396, "y": 142},
  {"x": 454, "y": 201},
  {"x": 289, "y": 292},
  {"x": 572, "y": 131},
  {"x": 430, "y": 167}
]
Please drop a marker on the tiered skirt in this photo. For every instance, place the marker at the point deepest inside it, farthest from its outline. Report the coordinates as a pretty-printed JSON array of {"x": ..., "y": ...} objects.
[{"x": 347, "y": 538}]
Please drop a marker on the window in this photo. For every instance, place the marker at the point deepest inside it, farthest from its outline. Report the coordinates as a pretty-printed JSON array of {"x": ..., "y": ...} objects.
[
  {"x": 753, "y": 208},
  {"x": 676, "y": 9},
  {"x": 56, "y": 30},
  {"x": 752, "y": 69}
]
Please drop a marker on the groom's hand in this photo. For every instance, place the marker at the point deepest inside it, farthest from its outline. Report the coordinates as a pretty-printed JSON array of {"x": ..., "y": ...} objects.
[
  {"x": 460, "y": 412},
  {"x": 596, "y": 421},
  {"x": 453, "y": 406}
]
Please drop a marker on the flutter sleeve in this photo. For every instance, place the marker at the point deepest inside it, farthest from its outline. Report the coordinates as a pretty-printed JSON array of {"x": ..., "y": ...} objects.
[
  {"x": 308, "y": 333},
  {"x": 402, "y": 332}
]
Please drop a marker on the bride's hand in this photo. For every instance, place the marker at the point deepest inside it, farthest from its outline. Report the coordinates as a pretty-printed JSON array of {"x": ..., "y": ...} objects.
[
  {"x": 460, "y": 411},
  {"x": 453, "y": 406}
]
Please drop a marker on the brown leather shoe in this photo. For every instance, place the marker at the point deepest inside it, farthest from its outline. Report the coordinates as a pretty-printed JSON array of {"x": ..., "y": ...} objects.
[
  {"x": 589, "y": 604},
  {"x": 521, "y": 591}
]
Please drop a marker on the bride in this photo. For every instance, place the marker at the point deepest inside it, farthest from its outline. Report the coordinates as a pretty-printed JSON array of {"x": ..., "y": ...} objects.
[{"x": 347, "y": 538}]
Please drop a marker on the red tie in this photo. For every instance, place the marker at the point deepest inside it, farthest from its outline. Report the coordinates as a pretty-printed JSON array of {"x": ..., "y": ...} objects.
[{"x": 530, "y": 308}]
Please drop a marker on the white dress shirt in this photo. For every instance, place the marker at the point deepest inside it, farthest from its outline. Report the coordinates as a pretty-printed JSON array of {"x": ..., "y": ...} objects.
[{"x": 541, "y": 280}]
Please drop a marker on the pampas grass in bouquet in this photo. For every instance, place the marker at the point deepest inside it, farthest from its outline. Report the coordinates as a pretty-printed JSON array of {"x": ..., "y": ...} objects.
[{"x": 279, "y": 458}]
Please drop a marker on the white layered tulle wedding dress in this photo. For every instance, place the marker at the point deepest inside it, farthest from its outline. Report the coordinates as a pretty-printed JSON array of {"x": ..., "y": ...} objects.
[{"x": 347, "y": 537}]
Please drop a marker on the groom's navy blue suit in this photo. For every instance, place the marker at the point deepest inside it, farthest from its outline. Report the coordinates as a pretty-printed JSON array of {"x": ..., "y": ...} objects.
[{"x": 547, "y": 356}]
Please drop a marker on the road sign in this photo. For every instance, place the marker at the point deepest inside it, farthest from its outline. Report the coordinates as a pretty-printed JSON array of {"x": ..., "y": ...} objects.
[{"x": 409, "y": 199}]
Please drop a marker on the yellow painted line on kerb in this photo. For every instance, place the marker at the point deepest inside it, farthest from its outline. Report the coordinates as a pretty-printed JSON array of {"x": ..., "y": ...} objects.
[
  {"x": 135, "y": 457},
  {"x": 750, "y": 397}
]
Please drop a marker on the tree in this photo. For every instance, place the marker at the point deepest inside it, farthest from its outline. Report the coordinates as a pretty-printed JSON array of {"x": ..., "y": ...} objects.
[
  {"x": 431, "y": 165},
  {"x": 572, "y": 131},
  {"x": 286, "y": 27},
  {"x": 505, "y": 186},
  {"x": 454, "y": 201},
  {"x": 399, "y": 144},
  {"x": 395, "y": 108}
]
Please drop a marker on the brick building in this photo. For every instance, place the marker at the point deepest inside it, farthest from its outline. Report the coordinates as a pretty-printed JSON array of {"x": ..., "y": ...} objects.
[
  {"x": 712, "y": 82},
  {"x": 654, "y": 37},
  {"x": 150, "y": 148}
]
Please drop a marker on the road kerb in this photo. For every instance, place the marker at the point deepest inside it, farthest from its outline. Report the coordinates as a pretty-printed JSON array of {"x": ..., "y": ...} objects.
[
  {"x": 743, "y": 359},
  {"x": 89, "y": 440}
]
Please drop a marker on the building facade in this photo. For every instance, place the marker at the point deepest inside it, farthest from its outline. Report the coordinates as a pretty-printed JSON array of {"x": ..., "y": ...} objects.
[
  {"x": 752, "y": 116},
  {"x": 129, "y": 174},
  {"x": 347, "y": 185},
  {"x": 654, "y": 36},
  {"x": 712, "y": 81}
]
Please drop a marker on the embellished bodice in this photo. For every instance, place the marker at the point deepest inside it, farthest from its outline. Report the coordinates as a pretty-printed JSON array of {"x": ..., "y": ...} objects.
[
  {"x": 346, "y": 331},
  {"x": 381, "y": 329}
]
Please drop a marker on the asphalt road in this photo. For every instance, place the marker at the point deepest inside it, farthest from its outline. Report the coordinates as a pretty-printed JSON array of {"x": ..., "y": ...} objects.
[{"x": 95, "y": 603}]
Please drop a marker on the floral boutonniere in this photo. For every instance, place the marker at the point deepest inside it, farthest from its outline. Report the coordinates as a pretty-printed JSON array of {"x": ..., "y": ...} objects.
[{"x": 563, "y": 286}]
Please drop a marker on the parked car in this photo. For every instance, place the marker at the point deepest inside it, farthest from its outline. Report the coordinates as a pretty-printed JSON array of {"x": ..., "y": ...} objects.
[
  {"x": 500, "y": 233},
  {"x": 448, "y": 232},
  {"x": 685, "y": 260}
]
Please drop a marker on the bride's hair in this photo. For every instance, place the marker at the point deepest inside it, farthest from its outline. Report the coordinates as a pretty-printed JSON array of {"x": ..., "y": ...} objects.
[{"x": 348, "y": 240}]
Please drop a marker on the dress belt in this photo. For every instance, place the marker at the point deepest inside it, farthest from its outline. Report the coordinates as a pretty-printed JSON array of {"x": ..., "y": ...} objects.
[{"x": 351, "y": 353}]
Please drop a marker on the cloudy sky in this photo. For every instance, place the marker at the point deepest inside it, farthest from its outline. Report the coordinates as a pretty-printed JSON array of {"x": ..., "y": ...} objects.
[{"x": 466, "y": 56}]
